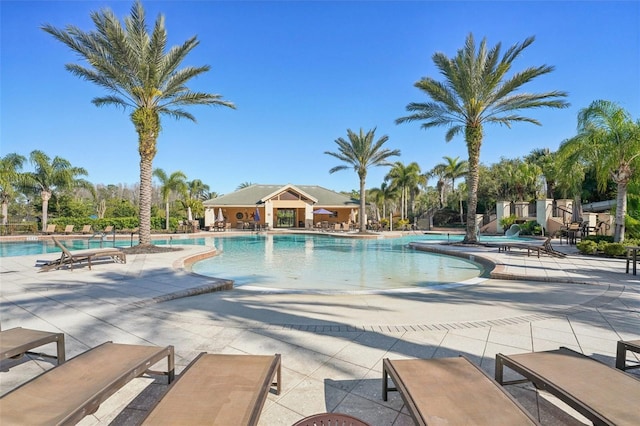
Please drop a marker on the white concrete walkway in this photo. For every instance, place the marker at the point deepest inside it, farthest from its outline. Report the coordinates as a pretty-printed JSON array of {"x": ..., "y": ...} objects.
[{"x": 332, "y": 346}]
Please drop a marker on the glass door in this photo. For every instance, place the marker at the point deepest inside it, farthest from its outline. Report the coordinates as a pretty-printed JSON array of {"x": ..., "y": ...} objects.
[{"x": 286, "y": 218}]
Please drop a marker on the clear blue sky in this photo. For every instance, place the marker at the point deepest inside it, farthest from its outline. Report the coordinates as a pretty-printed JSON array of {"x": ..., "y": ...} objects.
[{"x": 301, "y": 73}]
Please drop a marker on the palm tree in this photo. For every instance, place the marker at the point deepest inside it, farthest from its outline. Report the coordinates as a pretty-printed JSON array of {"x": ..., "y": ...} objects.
[
  {"x": 608, "y": 140},
  {"x": 137, "y": 72},
  {"x": 361, "y": 152},
  {"x": 476, "y": 92},
  {"x": 10, "y": 176},
  {"x": 406, "y": 180},
  {"x": 176, "y": 182},
  {"x": 451, "y": 168},
  {"x": 244, "y": 185},
  {"x": 198, "y": 190},
  {"x": 383, "y": 197},
  {"x": 51, "y": 176}
]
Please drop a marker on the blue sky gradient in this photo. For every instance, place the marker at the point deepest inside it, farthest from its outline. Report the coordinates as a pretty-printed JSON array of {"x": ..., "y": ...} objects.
[{"x": 300, "y": 74}]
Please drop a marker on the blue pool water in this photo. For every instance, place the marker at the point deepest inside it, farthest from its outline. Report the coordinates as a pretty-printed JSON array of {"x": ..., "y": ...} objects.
[{"x": 323, "y": 263}]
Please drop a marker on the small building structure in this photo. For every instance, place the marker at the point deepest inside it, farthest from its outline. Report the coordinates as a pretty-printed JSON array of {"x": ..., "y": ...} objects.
[{"x": 280, "y": 206}]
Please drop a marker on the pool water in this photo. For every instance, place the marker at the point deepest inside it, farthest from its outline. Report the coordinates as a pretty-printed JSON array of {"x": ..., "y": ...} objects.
[{"x": 324, "y": 263}]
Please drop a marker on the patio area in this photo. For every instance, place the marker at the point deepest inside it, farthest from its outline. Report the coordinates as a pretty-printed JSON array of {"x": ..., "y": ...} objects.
[{"x": 332, "y": 345}]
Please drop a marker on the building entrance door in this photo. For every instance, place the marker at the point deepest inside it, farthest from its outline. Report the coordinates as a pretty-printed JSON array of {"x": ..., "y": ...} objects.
[{"x": 286, "y": 218}]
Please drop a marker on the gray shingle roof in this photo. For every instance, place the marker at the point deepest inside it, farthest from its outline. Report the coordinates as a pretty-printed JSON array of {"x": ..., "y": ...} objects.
[{"x": 254, "y": 194}]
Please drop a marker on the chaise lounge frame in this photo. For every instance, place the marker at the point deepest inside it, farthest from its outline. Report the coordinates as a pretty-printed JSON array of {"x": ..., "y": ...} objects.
[
  {"x": 544, "y": 248},
  {"x": 219, "y": 389},
  {"x": 604, "y": 395},
  {"x": 68, "y": 258},
  {"x": 67, "y": 393},
  {"x": 17, "y": 342},
  {"x": 451, "y": 391},
  {"x": 621, "y": 353}
]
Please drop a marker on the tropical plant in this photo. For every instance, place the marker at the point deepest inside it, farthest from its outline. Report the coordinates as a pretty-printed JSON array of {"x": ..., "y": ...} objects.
[
  {"x": 609, "y": 141},
  {"x": 198, "y": 190},
  {"x": 383, "y": 197},
  {"x": 361, "y": 152},
  {"x": 10, "y": 176},
  {"x": 452, "y": 169},
  {"x": 133, "y": 66},
  {"x": 174, "y": 183},
  {"x": 476, "y": 92},
  {"x": 244, "y": 185},
  {"x": 51, "y": 176},
  {"x": 406, "y": 180}
]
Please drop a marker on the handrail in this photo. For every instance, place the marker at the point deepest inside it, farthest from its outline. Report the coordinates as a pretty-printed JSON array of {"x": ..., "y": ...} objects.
[{"x": 103, "y": 238}]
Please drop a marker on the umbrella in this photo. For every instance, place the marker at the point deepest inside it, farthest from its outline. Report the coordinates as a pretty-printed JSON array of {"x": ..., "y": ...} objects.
[
  {"x": 256, "y": 217},
  {"x": 322, "y": 211},
  {"x": 220, "y": 217}
]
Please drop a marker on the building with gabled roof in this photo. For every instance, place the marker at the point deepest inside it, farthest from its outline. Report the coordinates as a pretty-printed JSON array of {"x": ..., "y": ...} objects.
[{"x": 280, "y": 206}]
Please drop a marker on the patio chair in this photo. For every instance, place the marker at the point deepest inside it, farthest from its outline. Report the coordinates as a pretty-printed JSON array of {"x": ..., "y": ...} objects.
[
  {"x": 68, "y": 229},
  {"x": 86, "y": 229},
  {"x": 51, "y": 229},
  {"x": 67, "y": 393},
  {"x": 69, "y": 259},
  {"x": 621, "y": 354},
  {"x": 218, "y": 389},
  {"x": 330, "y": 419},
  {"x": 17, "y": 342},
  {"x": 604, "y": 395},
  {"x": 544, "y": 248},
  {"x": 451, "y": 391}
]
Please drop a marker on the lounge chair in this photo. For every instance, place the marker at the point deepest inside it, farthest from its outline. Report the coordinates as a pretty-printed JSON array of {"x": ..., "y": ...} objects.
[
  {"x": 621, "y": 354},
  {"x": 544, "y": 248},
  {"x": 51, "y": 229},
  {"x": 69, "y": 258},
  {"x": 16, "y": 342},
  {"x": 218, "y": 389},
  {"x": 86, "y": 229},
  {"x": 451, "y": 391},
  {"x": 604, "y": 395},
  {"x": 68, "y": 229},
  {"x": 67, "y": 393},
  {"x": 330, "y": 419}
]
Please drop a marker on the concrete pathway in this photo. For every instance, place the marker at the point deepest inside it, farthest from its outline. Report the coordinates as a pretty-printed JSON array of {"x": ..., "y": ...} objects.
[{"x": 332, "y": 345}]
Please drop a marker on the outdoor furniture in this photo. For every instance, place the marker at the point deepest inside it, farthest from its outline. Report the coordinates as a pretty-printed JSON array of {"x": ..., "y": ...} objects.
[
  {"x": 621, "y": 354},
  {"x": 69, "y": 258},
  {"x": 544, "y": 248},
  {"x": 451, "y": 391},
  {"x": 67, "y": 393},
  {"x": 16, "y": 342},
  {"x": 86, "y": 229},
  {"x": 68, "y": 229},
  {"x": 330, "y": 419},
  {"x": 50, "y": 229},
  {"x": 220, "y": 390},
  {"x": 632, "y": 257},
  {"x": 604, "y": 395}
]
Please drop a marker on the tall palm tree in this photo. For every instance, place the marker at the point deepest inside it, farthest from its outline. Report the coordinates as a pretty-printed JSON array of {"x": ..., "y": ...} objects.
[
  {"x": 244, "y": 185},
  {"x": 139, "y": 75},
  {"x": 52, "y": 176},
  {"x": 10, "y": 176},
  {"x": 608, "y": 140},
  {"x": 361, "y": 152},
  {"x": 176, "y": 182},
  {"x": 405, "y": 179},
  {"x": 476, "y": 92},
  {"x": 452, "y": 169},
  {"x": 384, "y": 196},
  {"x": 198, "y": 190}
]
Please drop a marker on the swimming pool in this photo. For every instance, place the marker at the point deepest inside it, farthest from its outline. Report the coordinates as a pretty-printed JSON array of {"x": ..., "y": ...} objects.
[{"x": 302, "y": 262}]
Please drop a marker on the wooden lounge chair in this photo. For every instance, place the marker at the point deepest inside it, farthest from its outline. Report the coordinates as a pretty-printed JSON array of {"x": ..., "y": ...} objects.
[
  {"x": 68, "y": 229},
  {"x": 220, "y": 390},
  {"x": 604, "y": 395},
  {"x": 621, "y": 354},
  {"x": 86, "y": 229},
  {"x": 16, "y": 342},
  {"x": 544, "y": 248},
  {"x": 69, "y": 258},
  {"x": 68, "y": 392},
  {"x": 451, "y": 391},
  {"x": 51, "y": 229}
]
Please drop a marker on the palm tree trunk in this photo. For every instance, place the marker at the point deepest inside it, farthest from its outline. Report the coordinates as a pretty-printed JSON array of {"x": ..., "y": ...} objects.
[
  {"x": 363, "y": 204},
  {"x": 621, "y": 211},
  {"x": 166, "y": 212},
  {"x": 473, "y": 137},
  {"x": 5, "y": 211},
  {"x": 45, "y": 195},
  {"x": 145, "y": 201}
]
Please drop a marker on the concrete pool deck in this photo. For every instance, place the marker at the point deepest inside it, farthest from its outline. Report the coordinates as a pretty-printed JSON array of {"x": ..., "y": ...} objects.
[{"x": 332, "y": 345}]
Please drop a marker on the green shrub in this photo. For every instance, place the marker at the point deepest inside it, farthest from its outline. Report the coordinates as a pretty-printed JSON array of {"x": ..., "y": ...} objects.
[
  {"x": 615, "y": 249},
  {"x": 602, "y": 244},
  {"x": 598, "y": 238},
  {"x": 587, "y": 246},
  {"x": 507, "y": 221},
  {"x": 631, "y": 227},
  {"x": 530, "y": 227}
]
